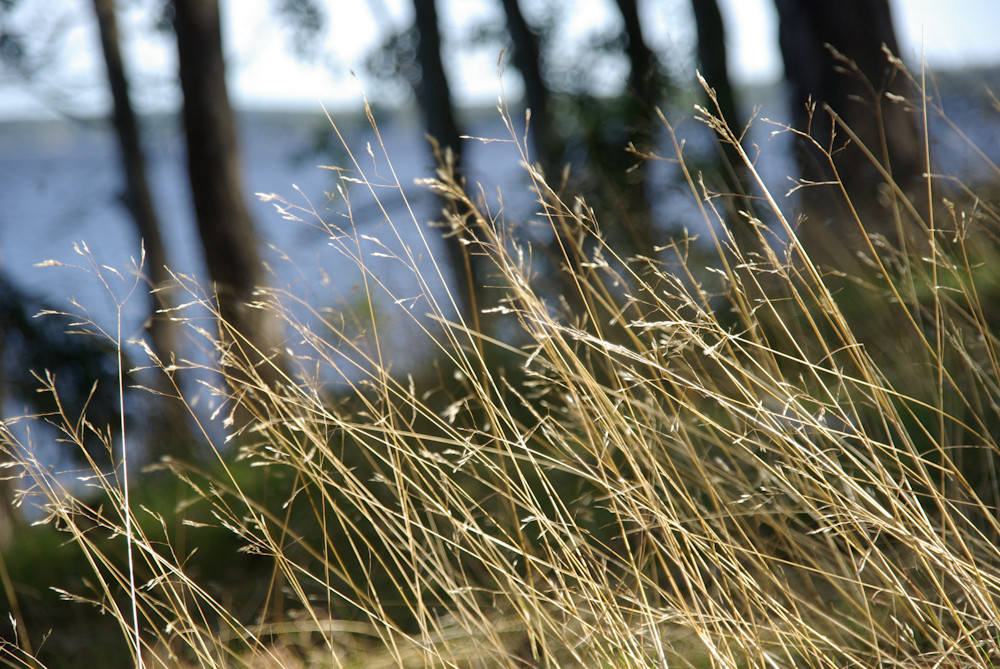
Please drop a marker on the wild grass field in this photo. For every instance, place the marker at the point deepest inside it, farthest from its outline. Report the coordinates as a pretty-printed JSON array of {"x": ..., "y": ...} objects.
[{"x": 727, "y": 455}]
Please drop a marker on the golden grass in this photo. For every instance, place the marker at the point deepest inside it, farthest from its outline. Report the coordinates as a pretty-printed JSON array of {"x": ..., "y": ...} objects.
[{"x": 635, "y": 476}]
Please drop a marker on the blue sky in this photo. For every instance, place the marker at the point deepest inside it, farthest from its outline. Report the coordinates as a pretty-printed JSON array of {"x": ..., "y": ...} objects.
[{"x": 263, "y": 73}]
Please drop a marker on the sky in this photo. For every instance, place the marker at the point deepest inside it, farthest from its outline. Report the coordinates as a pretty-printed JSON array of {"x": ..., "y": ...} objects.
[
  {"x": 264, "y": 73},
  {"x": 949, "y": 33}
]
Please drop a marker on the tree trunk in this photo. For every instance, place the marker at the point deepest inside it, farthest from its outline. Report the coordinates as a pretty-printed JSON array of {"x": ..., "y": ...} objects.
[
  {"x": 714, "y": 66},
  {"x": 641, "y": 75},
  {"x": 433, "y": 90},
  {"x": 434, "y": 97},
  {"x": 173, "y": 419},
  {"x": 9, "y": 518},
  {"x": 857, "y": 29},
  {"x": 137, "y": 195},
  {"x": 713, "y": 59},
  {"x": 641, "y": 100},
  {"x": 224, "y": 224},
  {"x": 527, "y": 59}
]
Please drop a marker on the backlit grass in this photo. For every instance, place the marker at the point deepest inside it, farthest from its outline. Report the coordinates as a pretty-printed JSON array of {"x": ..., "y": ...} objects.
[{"x": 740, "y": 461}]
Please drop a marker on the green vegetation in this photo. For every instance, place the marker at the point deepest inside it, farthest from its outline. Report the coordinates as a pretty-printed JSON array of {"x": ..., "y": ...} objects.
[{"x": 741, "y": 461}]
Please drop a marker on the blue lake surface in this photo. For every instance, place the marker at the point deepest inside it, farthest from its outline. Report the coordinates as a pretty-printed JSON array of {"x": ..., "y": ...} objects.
[
  {"x": 60, "y": 181},
  {"x": 60, "y": 186}
]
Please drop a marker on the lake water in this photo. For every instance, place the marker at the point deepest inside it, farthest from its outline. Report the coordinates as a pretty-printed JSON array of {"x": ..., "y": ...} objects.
[{"x": 59, "y": 185}]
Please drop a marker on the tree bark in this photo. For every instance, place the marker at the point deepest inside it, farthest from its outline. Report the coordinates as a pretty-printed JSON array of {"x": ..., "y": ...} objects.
[
  {"x": 714, "y": 63},
  {"x": 137, "y": 195},
  {"x": 9, "y": 518},
  {"x": 641, "y": 100},
  {"x": 433, "y": 90},
  {"x": 713, "y": 59},
  {"x": 173, "y": 437},
  {"x": 526, "y": 55},
  {"x": 433, "y": 95},
  {"x": 641, "y": 58},
  {"x": 857, "y": 29},
  {"x": 224, "y": 224}
]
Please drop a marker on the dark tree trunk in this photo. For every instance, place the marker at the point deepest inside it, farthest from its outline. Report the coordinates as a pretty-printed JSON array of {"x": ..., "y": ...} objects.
[
  {"x": 857, "y": 29},
  {"x": 224, "y": 224},
  {"x": 140, "y": 204},
  {"x": 137, "y": 195},
  {"x": 527, "y": 59},
  {"x": 713, "y": 60},
  {"x": 641, "y": 100},
  {"x": 9, "y": 518},
  {"x": 714, "y": 67},
  {"x": 432, "y": 90},
  {"x": 641, "y": 75},
  {"x": 434, "y": 97}
]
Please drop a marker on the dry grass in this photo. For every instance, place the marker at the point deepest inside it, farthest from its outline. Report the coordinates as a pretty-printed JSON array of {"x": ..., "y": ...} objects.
[{"x": 758, "y": 465}]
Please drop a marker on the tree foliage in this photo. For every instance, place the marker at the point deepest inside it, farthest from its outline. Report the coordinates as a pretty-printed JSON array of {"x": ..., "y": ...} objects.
[
  {"x": 39, "y": 345},
  {"x": 306, "y": 22}
]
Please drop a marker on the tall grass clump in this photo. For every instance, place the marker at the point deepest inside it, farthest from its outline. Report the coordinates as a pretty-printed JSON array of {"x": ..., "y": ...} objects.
[{"x": 734, "y": 461}]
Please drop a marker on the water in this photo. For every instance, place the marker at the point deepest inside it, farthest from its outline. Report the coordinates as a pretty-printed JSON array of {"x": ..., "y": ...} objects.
[{"x": 59, "y": 185}]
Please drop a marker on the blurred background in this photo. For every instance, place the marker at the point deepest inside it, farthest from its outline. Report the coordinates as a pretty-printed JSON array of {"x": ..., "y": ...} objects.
[
  {"x": 601, "y": 67},
  {"x": 175, "y": 126},
  {"x": 273, "y": 64}
]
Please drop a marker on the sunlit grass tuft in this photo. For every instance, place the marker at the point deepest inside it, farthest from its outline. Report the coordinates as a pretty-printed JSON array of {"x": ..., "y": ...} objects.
[{"x": 748, "y": 462}]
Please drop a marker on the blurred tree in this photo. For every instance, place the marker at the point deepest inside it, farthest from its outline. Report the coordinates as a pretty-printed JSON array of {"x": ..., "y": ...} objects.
[
  {"x": 431, "y": 85},
  {"x": 641, "y": 79},
  {"x": 433, "y": 93},
  {"x": 603, "y": 138},
  {"x": 526, "y": 54},
  {"x": 641, "y": 97},
  {"x": 307, "y": 22},
  {"x": 713, "y": 63},
  {"x": 713, "y": 60},
  {"x": 172, "y": 417},
  {"x": 834, "y": 59},
  {"x": 137, "y": 194},
  {"x": 32, "y": 40},
  {"x": 224, "y": 224}
]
